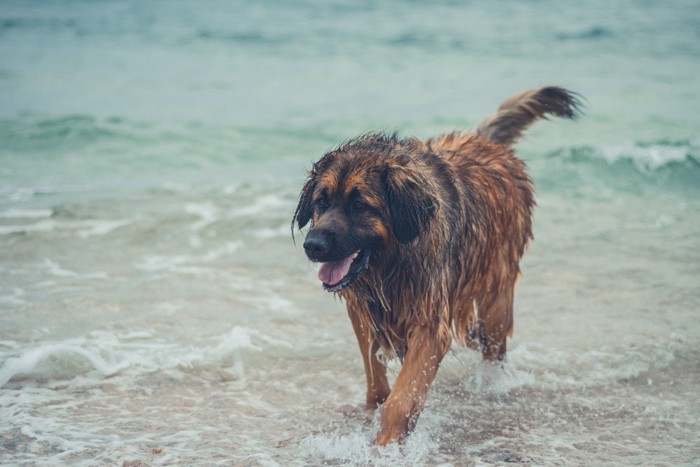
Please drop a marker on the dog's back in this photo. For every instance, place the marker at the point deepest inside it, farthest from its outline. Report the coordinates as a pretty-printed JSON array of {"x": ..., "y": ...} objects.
[{"x": 499, "y": 197}]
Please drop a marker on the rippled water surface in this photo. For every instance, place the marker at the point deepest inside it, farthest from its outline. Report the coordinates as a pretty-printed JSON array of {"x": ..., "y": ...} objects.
[{"x": 155, "y": 310}]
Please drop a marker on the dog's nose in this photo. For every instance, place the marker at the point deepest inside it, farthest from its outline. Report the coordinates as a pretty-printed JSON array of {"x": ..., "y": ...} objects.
[{"x": 317, "y": 245}]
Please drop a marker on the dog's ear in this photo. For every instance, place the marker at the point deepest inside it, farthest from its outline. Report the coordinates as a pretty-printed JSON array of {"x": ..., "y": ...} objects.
[
  {"x": 411, "y": 204},
  {"x": 304, "y": 209}
]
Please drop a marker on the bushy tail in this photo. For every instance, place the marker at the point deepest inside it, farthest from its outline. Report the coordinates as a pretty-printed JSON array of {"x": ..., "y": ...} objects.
[{"x": 518, "y": 112}]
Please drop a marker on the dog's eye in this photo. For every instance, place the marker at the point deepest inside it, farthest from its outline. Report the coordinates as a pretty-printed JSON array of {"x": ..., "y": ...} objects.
[
  {"x": 321, "y": 203},
  {"x": 358, "y": 206}
]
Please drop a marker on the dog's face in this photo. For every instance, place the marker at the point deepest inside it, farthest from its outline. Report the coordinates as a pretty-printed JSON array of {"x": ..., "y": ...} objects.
[{"x": 361, "y": 202}]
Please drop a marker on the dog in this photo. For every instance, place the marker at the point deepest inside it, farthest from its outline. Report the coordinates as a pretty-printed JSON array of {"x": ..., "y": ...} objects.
[{"x": 422, "y": 240}]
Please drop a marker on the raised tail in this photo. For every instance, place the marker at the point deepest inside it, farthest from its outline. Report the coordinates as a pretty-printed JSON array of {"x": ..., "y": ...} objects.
[{"x": 520, "y": 111}]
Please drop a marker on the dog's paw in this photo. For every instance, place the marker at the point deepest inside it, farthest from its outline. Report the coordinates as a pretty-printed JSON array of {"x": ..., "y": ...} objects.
[
  {"x": 383, "y": 439},
  {"x": 393, "y": 435}
]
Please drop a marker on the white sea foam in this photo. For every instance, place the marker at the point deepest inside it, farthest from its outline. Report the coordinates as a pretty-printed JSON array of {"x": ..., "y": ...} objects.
[
  {"x": 273, "y": 302},
  {"x": 10, "y": 344},
  {"x": 354, "y": 447},
  {"x": 230, "y": 189},
  {"x": 358, "y": 448},
  {"x": 49, "y": 435},
  {"x": 227, "y": 350},
  {"x": 232, "y": 345},
  {"x": 14, "y": 297},
  {"x": 265, "y": 234},
  {"x": 135, "y": 335},
  {"x": 135, "y": 353},
  {"x": 26, "y": 214},
  {"x": 261, "y": 205},
  {"x": 55, "y": 269},
  {"x": 58, "y": 442},
  {"x": 207, "y": 212},
  {"x": 83, "y": 229},
  {"x": 22, "y": 194},
  {"x": 29, "y": 360},
  {"x": 238, "y": 338},
  {"x": 187, "y": 263},
  {"x": 42, "y": 226},
  {"x": 646, "y": 157},
  {"x": 102, "y": 227},
  {"x": 531, "y": 363},
  {"x": 499, "y": 379}
]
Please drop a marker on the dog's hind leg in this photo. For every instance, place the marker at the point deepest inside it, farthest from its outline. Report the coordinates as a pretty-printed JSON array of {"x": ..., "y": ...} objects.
[
  {"x": 496, "y": 322},
  {"x": 375, "y": 371}
]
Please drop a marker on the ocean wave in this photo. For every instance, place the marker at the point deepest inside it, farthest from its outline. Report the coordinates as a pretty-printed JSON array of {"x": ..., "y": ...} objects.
[
  {"x": 268, "y": 233},
  {"x": 50, "y": 23},
  {"x": 30, "y": 360},
  {"x": 83, "y": 229},
  {"x": 32, "y": 132},
  {"x": 428, "y": 41},
  {"x": 188, "y": 264},
  {"x": 135, "y": 353},
  {"x": 69, "y": 127},
  {"x": 594, "y": 32},
  {"x": 645, "y": 156},
  {"x": 670, "y": 164},
  {"x": 207, "y": 212},
  {"x": 532, "y": 364},
  {"x": 26, "y": 214},
  {"x": 655, "y": 155},
  {"x": 81, "y": 149},
  {"x": 263, "y": 206},
  {"x": 247, "y": 38}
]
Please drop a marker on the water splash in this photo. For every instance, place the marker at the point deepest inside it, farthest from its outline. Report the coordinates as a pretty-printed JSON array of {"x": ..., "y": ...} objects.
[{"x": 30, "y": 360}]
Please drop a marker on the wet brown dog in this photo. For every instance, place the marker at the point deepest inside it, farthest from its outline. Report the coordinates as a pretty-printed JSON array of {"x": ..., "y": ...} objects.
[{"x": 423, "y": 241}]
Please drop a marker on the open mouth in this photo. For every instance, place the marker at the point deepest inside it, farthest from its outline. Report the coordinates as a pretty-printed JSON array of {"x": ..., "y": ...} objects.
[{"x": 337, "y": 275}]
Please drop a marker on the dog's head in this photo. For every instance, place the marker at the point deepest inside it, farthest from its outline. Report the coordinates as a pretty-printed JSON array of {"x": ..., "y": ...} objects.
[{"x": 363, "y": 199}]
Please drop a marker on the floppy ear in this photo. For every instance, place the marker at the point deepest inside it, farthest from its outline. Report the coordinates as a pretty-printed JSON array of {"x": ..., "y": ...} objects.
[
  {"x": 411, "y": 205},
  {"x": 304, "y": 209}
]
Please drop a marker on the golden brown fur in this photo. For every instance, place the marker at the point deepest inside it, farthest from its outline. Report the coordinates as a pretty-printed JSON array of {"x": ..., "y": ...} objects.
[{"x": 443, "y": 224}]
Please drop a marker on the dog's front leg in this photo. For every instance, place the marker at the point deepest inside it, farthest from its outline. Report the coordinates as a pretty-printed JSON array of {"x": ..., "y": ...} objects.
[
  {"x": 375, "y": 371},
  {"x": 426, "y": 348}
]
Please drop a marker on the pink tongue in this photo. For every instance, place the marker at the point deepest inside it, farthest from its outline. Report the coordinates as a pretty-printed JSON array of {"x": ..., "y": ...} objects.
[{"x": 332, "y": 273}]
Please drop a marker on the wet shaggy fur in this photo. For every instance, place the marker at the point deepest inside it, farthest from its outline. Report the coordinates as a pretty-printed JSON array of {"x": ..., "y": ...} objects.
[{"x": 445, "y": 223}]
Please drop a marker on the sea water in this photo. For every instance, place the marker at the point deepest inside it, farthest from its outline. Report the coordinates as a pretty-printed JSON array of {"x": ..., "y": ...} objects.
[{"x": 155, "y": 310}]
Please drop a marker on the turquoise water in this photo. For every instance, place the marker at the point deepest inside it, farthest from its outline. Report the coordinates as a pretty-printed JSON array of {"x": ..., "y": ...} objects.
[{"x": 151, "y": 296}]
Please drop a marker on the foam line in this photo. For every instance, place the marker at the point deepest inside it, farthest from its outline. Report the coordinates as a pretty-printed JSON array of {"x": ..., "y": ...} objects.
[
  {"x": 26, "y": 214},
  {"x": 84, "y": 229},
  {"x": 26, "y": 363}
]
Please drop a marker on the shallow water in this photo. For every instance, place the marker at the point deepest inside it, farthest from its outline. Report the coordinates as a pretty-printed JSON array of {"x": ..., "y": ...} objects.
[{"x": 154, "y": 308}]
